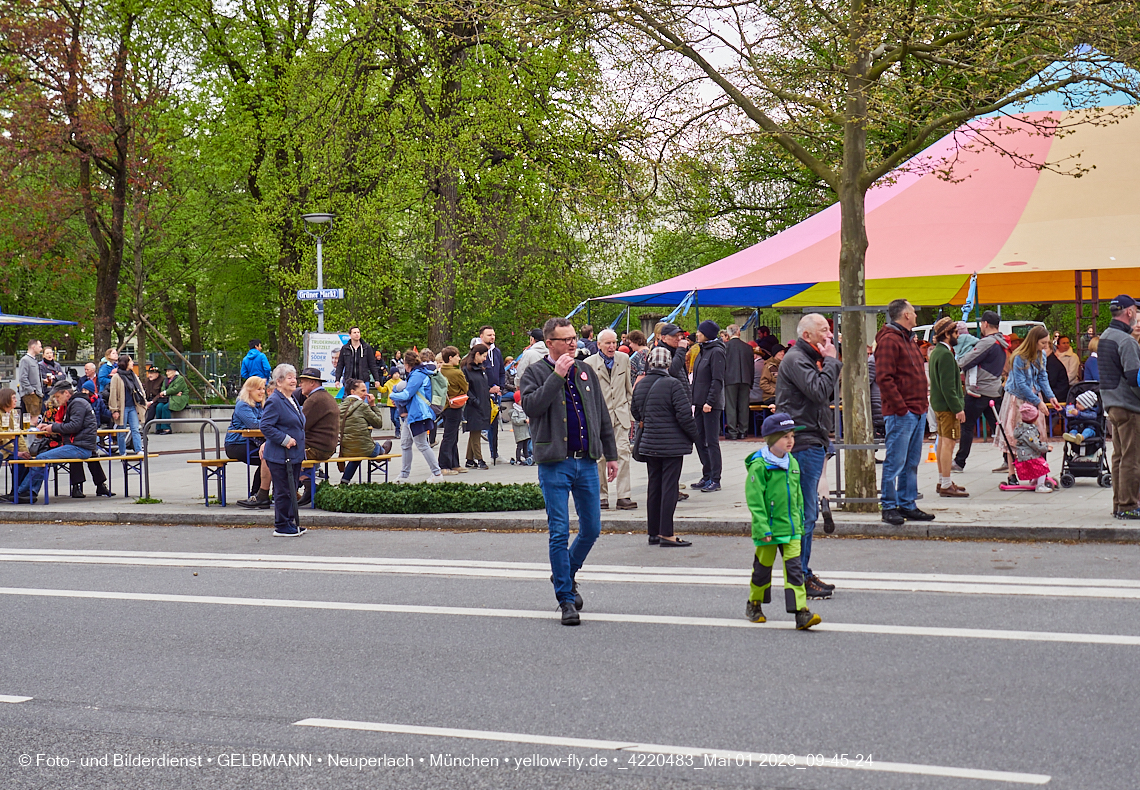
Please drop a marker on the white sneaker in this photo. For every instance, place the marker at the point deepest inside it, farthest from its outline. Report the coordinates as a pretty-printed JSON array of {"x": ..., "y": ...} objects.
[
  {"x": 403, "y": 479},
  {"x": 1044, "y": 489},
  {"x": 436, "y": 478}
]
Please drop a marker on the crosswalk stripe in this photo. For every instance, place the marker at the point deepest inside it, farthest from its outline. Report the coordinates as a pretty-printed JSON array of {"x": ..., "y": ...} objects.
[
  {"x": 645, "y": 619},
  {"x": 753, "y": 758},
  {"x": 1127, "y": 589}
]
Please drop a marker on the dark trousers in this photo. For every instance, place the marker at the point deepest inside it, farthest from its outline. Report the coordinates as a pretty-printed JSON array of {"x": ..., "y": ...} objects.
[
  {"x": 98, "y": 476},
  {"x": 664, "y": 474},
  {"x": 493, "y": 435},
  {"x": 708, "y": 443},
  {"x": 975, "y": 408},
  {"x": 237, "y": 453},
  {"x": 736, "y": 409},
  {"x": 284, "y": 516},
  {"x": 449, "y": 449}
]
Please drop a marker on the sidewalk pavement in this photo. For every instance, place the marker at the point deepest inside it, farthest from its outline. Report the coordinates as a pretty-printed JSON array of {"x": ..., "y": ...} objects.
[{"x": 1080, "y": 513}]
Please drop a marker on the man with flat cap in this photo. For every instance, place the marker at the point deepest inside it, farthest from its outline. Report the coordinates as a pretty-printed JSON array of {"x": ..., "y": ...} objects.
[
  {"x": 1119, "y": 358},
  {"x": 322, "y": 425}
]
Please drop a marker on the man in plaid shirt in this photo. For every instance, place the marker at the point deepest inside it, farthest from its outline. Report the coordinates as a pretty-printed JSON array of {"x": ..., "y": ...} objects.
[{"x": 901, "y": 375}]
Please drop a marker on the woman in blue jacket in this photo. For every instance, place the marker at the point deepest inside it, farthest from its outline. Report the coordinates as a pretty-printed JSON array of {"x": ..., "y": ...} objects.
[
  {"x": 416, "y": 418},
  {"x": 1028, "y": 382},
  {"x": 247, "y": 416},
  {"x": 284, "y": 427}
]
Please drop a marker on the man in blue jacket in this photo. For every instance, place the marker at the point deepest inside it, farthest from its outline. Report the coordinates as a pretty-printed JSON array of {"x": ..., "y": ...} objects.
[{"x": 255, "y": 363}]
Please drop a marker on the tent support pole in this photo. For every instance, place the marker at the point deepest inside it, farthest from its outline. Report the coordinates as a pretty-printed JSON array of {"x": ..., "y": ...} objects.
[{"x": 697, "y": 304}]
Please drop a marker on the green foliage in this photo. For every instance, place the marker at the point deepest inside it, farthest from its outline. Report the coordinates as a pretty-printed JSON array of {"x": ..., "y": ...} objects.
[
  {"x": 429, "y": 497},
  {"x": 143, "y": 500}
]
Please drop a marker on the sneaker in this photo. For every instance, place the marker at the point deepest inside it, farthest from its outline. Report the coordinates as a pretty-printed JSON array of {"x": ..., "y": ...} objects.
[
  {"x": 699, "y": 484},
  {"x": 1130, "y": 515},
  {"x": 821, "y": 583},
  {"x": 1003, "y": 468},
  {"x": 471, "y": 464},
  {"x": 403, "y": 480},
  {"x": 710, "y": 487},
  {"x": 569, "y": 613},
  {"x": 815, "y": 591},
  {"x": 1073, "y": 438},
  {"x": 956, "y": 467},
  {"x": 1044, "y": 489},
  {"x": 436, "y": 478},
  {"x": 805, "y": 620},
  {"x": 892, "y": 516},
  {"x": 914, "y": 514},
  {"x": 481, "y": 465},
  {"x": 753, "y": 613},
  {"x": 295, "y": 533}
]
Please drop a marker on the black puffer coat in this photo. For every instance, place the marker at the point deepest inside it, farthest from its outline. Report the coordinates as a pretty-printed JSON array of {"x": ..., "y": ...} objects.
[
  {"x": 477, "y": 412},
  {"x": 661, "y": 401}
]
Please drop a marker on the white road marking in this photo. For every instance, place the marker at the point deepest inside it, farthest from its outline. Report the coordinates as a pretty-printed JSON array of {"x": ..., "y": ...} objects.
[
  {"x": 1128, "y": 589},
  {"x": 634, "y": 746},
  {"x": 10, "y": 698},
  {"x": 644, "y": 619}
]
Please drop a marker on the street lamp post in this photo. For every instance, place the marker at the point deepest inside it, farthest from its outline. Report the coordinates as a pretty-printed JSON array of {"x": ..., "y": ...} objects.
[{"x": 323, "y": 223}]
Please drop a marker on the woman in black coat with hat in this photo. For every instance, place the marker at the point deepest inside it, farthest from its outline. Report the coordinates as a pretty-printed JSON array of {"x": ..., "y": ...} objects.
[{"x": 667, "y": 434}]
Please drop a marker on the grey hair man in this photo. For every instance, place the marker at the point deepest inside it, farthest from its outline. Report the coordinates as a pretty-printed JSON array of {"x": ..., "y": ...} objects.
[
  {"x": 616, "y": 380},
  {"x": 804, "y": 391},
  {"x": 739, "y": 372},
  {"x": 1119, "y": 358}
]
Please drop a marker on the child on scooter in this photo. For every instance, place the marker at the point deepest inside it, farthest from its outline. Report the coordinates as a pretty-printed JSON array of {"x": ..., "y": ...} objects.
[{"x": 1029, "y": 451}]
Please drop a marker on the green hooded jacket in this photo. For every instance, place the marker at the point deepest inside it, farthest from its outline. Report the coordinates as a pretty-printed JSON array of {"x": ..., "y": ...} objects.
[
  {"x": 357, "y": 419},
  {"x": 775, "y": 499}
]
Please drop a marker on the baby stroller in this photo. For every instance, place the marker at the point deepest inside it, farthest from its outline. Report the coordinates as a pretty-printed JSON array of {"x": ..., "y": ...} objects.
[{"x": 1088, "y": 458}]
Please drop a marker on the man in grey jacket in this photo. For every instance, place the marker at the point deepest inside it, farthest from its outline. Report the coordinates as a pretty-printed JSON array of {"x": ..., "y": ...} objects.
[
  {"x": 30, "y": 388},
  {"x": 983, "y": 365},
  {"x": 1119, "y": 358},
  {"x": 571, "y": 430},
  {"x": 804, "y": 391}
]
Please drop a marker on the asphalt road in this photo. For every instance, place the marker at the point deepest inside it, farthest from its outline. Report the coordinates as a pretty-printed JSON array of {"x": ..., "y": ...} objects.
[{"x": 409, "y": 656}]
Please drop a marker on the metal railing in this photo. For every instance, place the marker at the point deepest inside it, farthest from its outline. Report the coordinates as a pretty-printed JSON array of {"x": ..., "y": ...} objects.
[{"x": 218, "y": 431}]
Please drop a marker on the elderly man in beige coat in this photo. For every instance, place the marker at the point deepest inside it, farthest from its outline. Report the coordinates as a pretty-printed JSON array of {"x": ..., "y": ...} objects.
[{"x": 612, "y": 367}]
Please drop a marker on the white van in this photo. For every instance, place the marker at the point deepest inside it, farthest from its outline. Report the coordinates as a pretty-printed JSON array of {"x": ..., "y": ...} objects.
[{"x": 1019, "y": 328}]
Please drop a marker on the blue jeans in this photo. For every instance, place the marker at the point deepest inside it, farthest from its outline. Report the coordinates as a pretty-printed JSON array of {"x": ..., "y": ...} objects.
[
  {"x": 131, "y": 418},
  {"x": 30, "y": 485},
  {"x": 558, "y": 480},
  {"x": 900, "y": 468},
  {"x": 351, "y": 467},
  {"x": 811, "y": 460}
]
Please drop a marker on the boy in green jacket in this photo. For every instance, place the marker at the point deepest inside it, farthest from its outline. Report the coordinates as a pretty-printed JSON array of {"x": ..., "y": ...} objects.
[{"x": 777, "y": 504}]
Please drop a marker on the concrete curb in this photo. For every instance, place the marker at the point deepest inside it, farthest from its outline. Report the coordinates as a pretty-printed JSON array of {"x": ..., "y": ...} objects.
[{"x": 218, "y": 517}]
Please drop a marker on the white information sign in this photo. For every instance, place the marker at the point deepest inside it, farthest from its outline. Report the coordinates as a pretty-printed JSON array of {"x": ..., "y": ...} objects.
[{"x": 321, "y": 351}]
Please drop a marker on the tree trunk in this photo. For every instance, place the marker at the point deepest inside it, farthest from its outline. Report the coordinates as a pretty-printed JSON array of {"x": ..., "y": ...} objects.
[
  {"x": 173, "y": 330},
  {"x": 859, "y": 465},
  {"x": 192, "y": 319}
]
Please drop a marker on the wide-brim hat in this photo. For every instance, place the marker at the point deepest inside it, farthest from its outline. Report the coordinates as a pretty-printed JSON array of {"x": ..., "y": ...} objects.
[
  {"x": 313, "y": 374},
  {"x": 63, "y": 386},
  {"x": 171, "y": 366}
]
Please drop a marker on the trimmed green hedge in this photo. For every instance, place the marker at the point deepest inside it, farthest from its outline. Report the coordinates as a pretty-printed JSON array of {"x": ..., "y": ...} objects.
[{"x": 429, "y": 497}]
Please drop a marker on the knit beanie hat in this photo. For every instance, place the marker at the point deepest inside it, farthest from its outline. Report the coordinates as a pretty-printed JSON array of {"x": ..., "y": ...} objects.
[
  {"x": 709, "y": 329},
  {"x": 1029, "y": 412}
]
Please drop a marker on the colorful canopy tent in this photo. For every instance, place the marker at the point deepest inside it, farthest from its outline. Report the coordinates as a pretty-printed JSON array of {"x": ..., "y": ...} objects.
[
  {"x": 1030, "y": 235},
  {"x": 7, "y": 319}
]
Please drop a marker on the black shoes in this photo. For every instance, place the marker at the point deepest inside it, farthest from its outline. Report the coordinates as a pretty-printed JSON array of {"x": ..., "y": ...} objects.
[
  {"x": 569, "y": 613},
  {"x": 710, "y": 486},
  {"x": 805, "y": 620},
  {"x": 604, "y": 504},
  {"x": 815, "y": 589},
  {"x": 77, "y": 491},
  {"x": 481, "y": 465},
  {"x": 699, "y": 484},
  {"x": 260, "y": 501},
  {"x": 914, "y": 514},
  {"x": 675, "y": 543},
  {"x": 10, "y": 498},
  {"x": 894, "y": 517},
  {"x": 626, "y": 504},
  {"x": 825, "y": 512},
  {"x": 753, "y": 613},
  {"x": 654, "y": 540},
  {"x": 578, "y": 602},
  {"x": 470, "y": 464},
  {"x": 306, "y": 494}
]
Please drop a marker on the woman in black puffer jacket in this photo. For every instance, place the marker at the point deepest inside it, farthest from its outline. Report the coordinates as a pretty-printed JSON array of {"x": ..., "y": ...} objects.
[{"x": 667, "y": 436}]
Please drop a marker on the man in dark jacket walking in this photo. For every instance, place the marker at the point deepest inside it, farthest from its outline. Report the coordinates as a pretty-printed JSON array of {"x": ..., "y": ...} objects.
[
  {"x": 1119, "y": 357},
  {"x": 739, "y": 372},
  {"x": 77, "y": 430},
  {"x": 901, "y": 373},
  {"x": 983, "y": 365},
  {"x": 356, "y": 360},
  {"x": 708, "y": 400},
  {"x": 571, "y": 429},
  {"x": 804, "y": 390}
]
